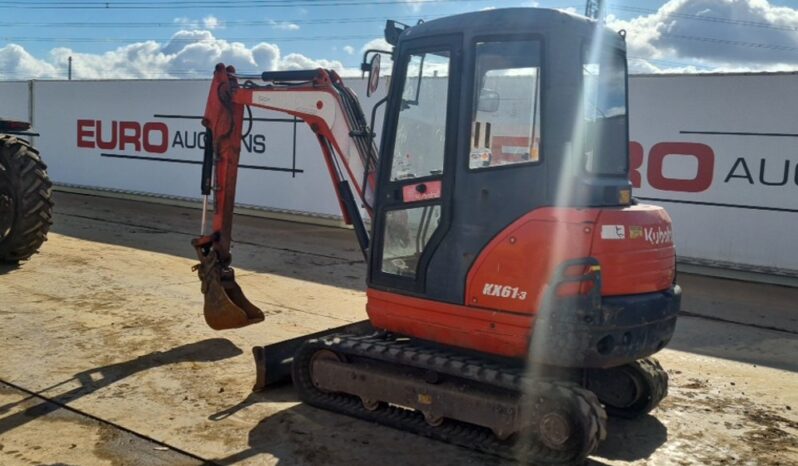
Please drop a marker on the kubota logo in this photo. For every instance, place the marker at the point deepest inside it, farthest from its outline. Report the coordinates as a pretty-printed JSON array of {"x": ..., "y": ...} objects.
[{"x": 658, "y": 235}]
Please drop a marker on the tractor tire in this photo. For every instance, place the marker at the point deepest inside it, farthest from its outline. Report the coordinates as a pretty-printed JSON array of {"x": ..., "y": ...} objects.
[{"x": 26, "y": 204}]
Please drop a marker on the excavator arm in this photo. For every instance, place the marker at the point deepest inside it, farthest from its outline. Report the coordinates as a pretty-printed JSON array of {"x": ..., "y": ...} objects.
[{"x": 319, "y": 98}]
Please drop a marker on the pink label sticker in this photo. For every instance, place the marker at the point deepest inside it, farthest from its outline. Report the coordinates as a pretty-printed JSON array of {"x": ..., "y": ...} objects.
[{"x": 421, "y": 191}]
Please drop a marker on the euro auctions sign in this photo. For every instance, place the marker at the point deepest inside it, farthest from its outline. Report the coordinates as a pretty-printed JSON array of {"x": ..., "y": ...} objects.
[
  {"x": 153, "y": 137},
  {"x": 741, "y": 171},
  {"x": 147, "y": 137},
  {"x": 720, "y": 153}
]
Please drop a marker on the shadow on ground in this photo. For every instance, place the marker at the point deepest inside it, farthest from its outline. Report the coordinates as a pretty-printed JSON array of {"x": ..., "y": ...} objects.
[
  {"x": 90, "y": 381},
  {"x": 737, "y": 342},
  {"x": 306, "y": 435},
  {"x": 632, "y": 439},
  {"x": 6, "y": 267}
]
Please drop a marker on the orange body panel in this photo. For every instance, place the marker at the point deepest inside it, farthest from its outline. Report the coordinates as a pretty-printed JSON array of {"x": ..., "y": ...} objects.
[
  {"x": 644, "y": 260},
  {"x": 507, "y": 282},
  {"x": 483, "y": 330},
  {"x": 524, "y": 255}
]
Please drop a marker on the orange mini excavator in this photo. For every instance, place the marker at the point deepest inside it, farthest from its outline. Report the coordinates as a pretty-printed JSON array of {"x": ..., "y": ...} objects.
[{"x": 516, "y": 289}]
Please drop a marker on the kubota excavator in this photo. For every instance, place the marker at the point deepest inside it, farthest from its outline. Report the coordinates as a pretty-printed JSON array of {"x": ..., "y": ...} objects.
[{"x": 516, "y": 289}]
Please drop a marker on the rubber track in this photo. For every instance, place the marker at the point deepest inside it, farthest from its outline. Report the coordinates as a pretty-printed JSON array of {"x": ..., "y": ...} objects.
[
  {"x": 453, "y": 364},
  {"x": 656, "y": 380},
  {"x": 34, "y": 199}
]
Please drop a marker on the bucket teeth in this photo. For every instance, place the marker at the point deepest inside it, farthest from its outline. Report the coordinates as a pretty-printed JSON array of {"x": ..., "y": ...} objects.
[{"x": 225, "y": 306}]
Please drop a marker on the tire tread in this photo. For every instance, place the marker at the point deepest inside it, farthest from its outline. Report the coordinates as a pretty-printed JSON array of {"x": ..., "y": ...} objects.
[{"x": 33, "y": 188}]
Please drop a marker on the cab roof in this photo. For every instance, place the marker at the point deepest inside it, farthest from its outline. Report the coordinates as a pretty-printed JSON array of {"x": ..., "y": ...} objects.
[{"x": 506, "y": 21}]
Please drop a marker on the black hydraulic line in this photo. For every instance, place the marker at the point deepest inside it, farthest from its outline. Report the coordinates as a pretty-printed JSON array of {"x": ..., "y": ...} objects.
[
  {"x": 207, "y": 164},
  {"x": 345, "y": 191},
  {"x": 290, "y": 75},
  {"x": 331, "y": 149},
  {"x": 361, "y": 133}
]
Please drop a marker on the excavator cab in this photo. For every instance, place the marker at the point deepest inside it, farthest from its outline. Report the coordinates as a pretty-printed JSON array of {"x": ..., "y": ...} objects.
[
  {"x": 504, "y": 152},
  {"x": 514, "y": 284}
]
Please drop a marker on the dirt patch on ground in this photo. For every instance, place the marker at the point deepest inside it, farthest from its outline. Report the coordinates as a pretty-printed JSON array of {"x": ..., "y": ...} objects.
[
  {"x": 745, "y": 428},
  {"x": 695, "y": 384}
]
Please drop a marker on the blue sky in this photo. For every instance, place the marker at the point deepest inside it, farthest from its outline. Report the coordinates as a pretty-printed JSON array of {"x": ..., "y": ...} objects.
[{"x": 183, "y": 38}]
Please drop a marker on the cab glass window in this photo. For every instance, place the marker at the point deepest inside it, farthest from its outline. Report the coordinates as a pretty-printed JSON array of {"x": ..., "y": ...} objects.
[
  {"x": 505, "y": 123},
  {"x": 407, "y": 232},
  {"x": 604, "y": 103},
  {"x": 421, "y": 129}
]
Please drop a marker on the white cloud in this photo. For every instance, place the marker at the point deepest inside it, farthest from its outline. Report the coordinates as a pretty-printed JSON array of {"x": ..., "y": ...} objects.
[
  {"x": 211, "y": 22},
  {"x": 682, "y": 36},
  {"x": 386, "y": 64},
  {"x": 17, "y": 63},
  {"x": 186, "y": 22},
  {"x": 208, "y": 22},
  {"x": 189, "y": 53},
  {"x": 378, "y": 44},
  {"x": 415, "y": 5},
  {"x": 712, "y": 35},
  {"x": 284, "y": 25}
]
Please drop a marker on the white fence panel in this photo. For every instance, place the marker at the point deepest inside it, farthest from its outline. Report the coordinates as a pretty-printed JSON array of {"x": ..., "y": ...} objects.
[
  {"x": 14, "y": 100},
  {"x": 720, "y": 152}
]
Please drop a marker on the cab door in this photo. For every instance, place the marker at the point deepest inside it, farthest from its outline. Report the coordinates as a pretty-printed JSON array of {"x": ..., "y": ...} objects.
[{"x": 416, "y": 177}]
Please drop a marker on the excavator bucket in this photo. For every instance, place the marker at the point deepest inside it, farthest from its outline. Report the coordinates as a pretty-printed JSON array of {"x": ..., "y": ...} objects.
[{"x": 225, "y": 307}]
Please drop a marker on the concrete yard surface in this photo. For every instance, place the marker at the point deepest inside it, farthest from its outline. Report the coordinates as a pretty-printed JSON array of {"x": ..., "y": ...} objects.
[{"x": 106, "y": 358}]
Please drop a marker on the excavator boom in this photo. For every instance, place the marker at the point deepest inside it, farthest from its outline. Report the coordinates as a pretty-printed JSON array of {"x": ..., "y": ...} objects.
[{"x": 332, "y": 111}]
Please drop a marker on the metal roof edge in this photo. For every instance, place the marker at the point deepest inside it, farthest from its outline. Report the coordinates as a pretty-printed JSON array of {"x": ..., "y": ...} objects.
[{"x": 716, "y": 73}]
